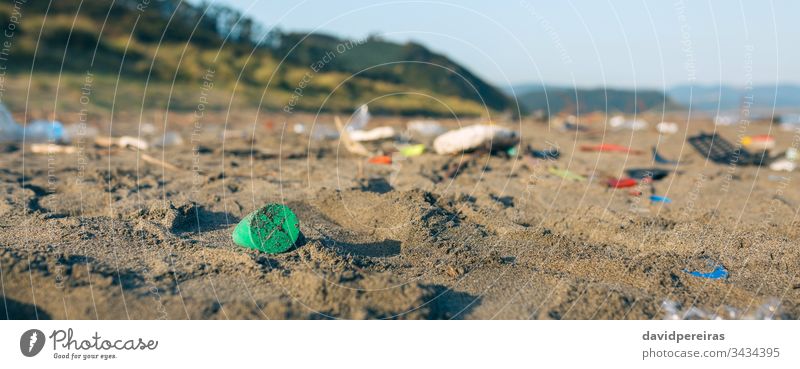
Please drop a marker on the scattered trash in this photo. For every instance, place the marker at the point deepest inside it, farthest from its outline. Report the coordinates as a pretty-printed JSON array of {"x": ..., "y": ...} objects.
[
  {"x": 147, "y": 129},
  {"x": 545, "y": 154},
  {"x": 170, "y": 138},
  {"x": 667, "y": 128},
  {"x": 619, "y": 122},
  {"x": 759, "y": 142},
  {"x": 412, "y": 150},
  {"x": 563, "y": 173},
  {"x": 660, "y": 159},
  {"x": 720, "y": 151},
  {"x": 124, "y": 142},
  {"x": 74, "y": 133},
  {"x": 46, "y": 148},
  {"x": 473, "y": 137},
  {"x": 726, "y": 120},
  {"x": 719, "y": 271},
  {"x": 512, "y": 151},
  {"x": 792, "y": 154},
  {"x": 769, "y": 310},
  {"x": 651, "y": 174},
  {"x": 272, "y": 229},
  {"x": 621, "y": 183},
  {"x": 380, "y": 159},
  {"x": 425, "y": 128},
  {"x": 317, "y": 132},
  {"x": 610, "y": 148},
  {"x": 359, "y": 119},
  {"x": 37, "y": 131},
  {"x": 661, "y": 199},
  {"x": 375, "y": 134},
  {"x": 783, "y": 165},
  {"x": 43, "y": 131}
]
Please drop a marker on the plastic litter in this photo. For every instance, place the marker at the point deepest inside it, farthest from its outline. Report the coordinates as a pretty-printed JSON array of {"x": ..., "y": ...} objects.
[
  {"x": 720, "y": 151},
  {"x": 546, "y": 154},
  {"x": 44, "y": 131},
  {"x": 473, "y": 137},
  {"x": 425, "y": 128},
  {"x": 359, "y": 119},
  {"x": 375, "y": 134},
  {"x": 783, "y": 165},
  {"x": 170, "y": 138},
  {"x": 759, "y": 142},
  {"x": 619, "y": 122},
  {"x": 10, "y": 131},
  {"x": 412, "y": 150},
  {"x": 652, "y": 174},
  {"x": 380, "y": 159},
  {"x": 661, "y": 199},
  {"x": 272, "y": 229},
  {"x": 667, "y": 128},
  {"x": 76, "y": 132},
  {"x": 719, "y": 271},
  {"x": 317, "y": 132},
  {"x": 124, "y": 141},
  {"x": 610, "y": 148},
  {"x": 660, "y": 159},
  {"x": 563, "y": 173},
  {"x": 621, "y": 183}
]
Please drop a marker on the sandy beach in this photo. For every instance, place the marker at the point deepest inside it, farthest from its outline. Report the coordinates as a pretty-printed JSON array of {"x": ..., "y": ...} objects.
[{"x": 104, "y": 234}]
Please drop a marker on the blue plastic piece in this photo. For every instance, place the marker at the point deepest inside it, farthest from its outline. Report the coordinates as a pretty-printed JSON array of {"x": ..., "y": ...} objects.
[
  {"x": 664, "y": 199},
  {"x": 719, "y": 273},
  {"x": 660, "y": 159}
]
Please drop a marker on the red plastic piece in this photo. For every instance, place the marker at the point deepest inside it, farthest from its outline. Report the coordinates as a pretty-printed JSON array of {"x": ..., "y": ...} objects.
[
  {"x": 382, "y": 159},
  {"x": 621, "y": 183}
]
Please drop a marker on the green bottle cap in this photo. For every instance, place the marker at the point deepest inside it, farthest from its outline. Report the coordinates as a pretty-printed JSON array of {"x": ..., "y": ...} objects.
[{"x": 272, "y": 229}]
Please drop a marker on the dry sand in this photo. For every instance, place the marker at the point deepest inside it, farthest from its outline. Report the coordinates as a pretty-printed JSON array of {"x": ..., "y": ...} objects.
[{"x": 102, "y": 234}]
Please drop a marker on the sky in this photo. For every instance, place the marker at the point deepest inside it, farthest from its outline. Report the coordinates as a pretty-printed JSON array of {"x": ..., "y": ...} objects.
[{"x": 630, "y": 43}]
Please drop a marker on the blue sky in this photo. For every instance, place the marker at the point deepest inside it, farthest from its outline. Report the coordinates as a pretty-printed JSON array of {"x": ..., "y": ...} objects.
[{"x": 636, "y": 43}]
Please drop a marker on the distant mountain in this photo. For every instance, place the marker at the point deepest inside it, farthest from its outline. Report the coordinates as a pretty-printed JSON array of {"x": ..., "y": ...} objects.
[
  {"x": 568, "y": 100},
  {"x": 728, "y": 98}
]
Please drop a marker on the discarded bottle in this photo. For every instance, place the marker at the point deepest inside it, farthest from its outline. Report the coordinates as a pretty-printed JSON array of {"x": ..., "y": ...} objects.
[
  {"x": 10, "y": 131},
  {"x": 272, "y": 229},
  {"x": 44, "y": 131}
]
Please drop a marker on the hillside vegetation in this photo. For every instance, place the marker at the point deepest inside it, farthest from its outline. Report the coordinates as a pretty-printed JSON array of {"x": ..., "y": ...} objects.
[{"x": 162, "y": 52}]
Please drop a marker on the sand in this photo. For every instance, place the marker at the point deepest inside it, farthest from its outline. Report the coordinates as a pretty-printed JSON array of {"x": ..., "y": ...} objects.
[{"x": 103, "y": 234}]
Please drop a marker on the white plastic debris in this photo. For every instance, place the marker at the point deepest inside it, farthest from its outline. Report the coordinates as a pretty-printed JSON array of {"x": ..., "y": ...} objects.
[
  {"x": 619, "y": 122},
  {"x": 375, "y": 134},
  {"x": 170, "y": 138},
  {"x": 133, "y": 142},
  {"x": 359, "y": 119},
  {"x": 473, "y": 137},
  {"x": 79, "y": 132},
  {"x": 667, "y": 128},
  {"x": 783, "y": 165},
  {"x": 425, "y": 128}
]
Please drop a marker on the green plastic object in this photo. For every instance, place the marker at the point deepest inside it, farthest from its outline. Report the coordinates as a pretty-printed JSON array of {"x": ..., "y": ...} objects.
[
  {"x": 272, "y": 229},
  {"x": 413, "y": 150}
]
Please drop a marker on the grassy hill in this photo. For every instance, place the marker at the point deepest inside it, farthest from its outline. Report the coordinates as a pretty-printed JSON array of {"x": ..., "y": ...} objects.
[{"x": 159, "y": 54}]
